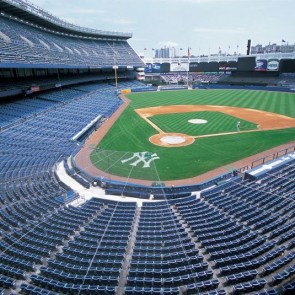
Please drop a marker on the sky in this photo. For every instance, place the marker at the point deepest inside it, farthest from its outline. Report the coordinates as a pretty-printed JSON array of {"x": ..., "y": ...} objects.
[{"x": 202, "y": 25}]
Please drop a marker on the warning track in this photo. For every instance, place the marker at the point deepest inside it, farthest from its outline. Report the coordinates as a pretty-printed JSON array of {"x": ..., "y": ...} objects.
[{"x": 265, "y": 120}]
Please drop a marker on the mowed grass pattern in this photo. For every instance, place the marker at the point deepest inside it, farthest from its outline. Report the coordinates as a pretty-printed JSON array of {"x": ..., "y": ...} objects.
[
  {"x": 276, "y": 102},
  {"x": 130, "y": 133},
  {"x": 216, "y": 123}
]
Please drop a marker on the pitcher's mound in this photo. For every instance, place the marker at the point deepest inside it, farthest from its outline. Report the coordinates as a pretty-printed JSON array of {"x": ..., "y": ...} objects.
[
  {"x": 171, "y": 139},
  {"x": 197, "y": 121}
]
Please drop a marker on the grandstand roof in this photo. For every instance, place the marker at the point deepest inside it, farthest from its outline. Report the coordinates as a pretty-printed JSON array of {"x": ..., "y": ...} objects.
[{"x": 29, "y": 12}]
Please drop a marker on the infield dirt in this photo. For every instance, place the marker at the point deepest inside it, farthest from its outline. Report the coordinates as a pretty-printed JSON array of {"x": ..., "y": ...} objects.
[{"x": 265, "y": 120}]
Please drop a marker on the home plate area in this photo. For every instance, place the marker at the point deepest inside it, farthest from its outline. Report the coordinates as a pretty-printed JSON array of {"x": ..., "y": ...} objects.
[
  {"x": 171, "y": 139},
  {"x": 175, "y": 139}
]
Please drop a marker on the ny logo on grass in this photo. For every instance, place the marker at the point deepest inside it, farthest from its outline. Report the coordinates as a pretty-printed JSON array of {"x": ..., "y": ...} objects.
[{"x": 145, "y": 157}]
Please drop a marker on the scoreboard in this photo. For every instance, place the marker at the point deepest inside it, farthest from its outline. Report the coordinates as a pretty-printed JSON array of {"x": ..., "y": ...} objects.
[{"x": 242, "y": 64}]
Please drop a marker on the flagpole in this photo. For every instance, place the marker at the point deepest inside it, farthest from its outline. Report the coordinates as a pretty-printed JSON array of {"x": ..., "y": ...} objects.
[
  {"x": 115, "y": 66},
  {"x": 188, "y": 59},
  {"x": 187, "y": 73},
  {"x": 116, "y": 76}
]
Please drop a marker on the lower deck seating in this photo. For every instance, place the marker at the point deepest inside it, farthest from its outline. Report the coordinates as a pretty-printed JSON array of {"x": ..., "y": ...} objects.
[{"x": 237, "y": 237}]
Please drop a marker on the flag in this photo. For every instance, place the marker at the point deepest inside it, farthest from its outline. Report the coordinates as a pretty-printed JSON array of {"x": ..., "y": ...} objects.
[{"x": 283, "y": 41}]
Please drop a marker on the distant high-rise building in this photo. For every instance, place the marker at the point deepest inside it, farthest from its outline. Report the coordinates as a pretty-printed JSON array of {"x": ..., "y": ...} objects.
[
  {"x": 165, "y": 52},
  {"x": 271, "y": 48},
  {"x": 256, "y": 49}
]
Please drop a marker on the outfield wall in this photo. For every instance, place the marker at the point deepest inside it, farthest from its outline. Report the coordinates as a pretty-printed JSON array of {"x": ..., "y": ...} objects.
[{"x": 245, "y": 87}]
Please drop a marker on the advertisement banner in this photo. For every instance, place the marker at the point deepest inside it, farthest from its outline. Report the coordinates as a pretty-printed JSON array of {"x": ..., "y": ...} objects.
[
  {"x": 124, "y": 91},
  {"x": 273, "y": 65},
  {"x": 261, "y": 65},
  {"x": 152, "y": 68},
  {"x": 224, "y": 66},
  {"x": 156, "y": 68},
  {"x": 148, "y": 68},
  {"x": 179, "y": 67}
]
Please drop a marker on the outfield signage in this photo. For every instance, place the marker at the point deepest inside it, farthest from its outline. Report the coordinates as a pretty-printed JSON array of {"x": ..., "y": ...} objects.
[
  {"x": 261, "y": 65},
  {"x": 176, "y": 87},
  {"x": 125, "y": 91},
  {"x": 179, "y": 67},
  {"x": 273, "y": 65}
]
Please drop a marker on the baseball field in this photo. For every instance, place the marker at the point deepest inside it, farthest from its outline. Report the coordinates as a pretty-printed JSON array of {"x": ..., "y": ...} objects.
[{"x": 172, "y": 135}]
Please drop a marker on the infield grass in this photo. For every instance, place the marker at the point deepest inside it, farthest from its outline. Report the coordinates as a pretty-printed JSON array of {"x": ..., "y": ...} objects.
[
  {"x": 131, "y": 133},
  {"x": 216, "y": 123}
]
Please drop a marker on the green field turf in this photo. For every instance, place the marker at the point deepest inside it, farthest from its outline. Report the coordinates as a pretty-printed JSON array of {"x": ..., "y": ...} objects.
[
  {"x": 216, "y": 123},
  {"x": 130, "y": 133},
  {"x": 275, "y": 102}
]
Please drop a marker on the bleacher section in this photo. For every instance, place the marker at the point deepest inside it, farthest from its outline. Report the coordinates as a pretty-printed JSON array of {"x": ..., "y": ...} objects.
[
  {"x": 286, "y": 79},
  {"x": 181, "y": 77}
]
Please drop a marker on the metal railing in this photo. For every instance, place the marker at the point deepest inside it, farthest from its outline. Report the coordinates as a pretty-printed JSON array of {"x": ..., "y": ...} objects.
[{"x": 267, "y": 158}]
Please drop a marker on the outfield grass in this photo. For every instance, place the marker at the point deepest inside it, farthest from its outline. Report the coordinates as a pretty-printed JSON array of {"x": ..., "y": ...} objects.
[
  {"x": 130, "y": 133},
  {"x": 276, "y": 102},
  {"x": 216, "y": 123}
]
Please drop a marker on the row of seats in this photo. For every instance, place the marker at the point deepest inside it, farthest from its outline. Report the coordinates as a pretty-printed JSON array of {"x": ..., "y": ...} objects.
[
  {"x": 174, "y": 241},
  {"x": 26, "y": 44},
  {"x": 34, "y": 223}
]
